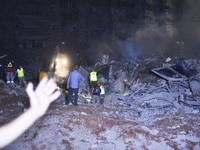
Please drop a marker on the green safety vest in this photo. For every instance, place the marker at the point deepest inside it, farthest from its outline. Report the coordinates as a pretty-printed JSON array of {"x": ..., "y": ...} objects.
[
  {"x": 10, "y": 64},
  {"x": 93, "y": 76},
  {"x": 20, "y": 72},
  {"x": 102, "y": 89}
]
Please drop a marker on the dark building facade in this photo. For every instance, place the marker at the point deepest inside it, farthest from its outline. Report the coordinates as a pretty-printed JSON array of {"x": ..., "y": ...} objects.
[{"x": 37, "y": 24}]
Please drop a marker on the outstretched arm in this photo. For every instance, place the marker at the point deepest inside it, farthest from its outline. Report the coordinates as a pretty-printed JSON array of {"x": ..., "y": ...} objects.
[{"x": 40, "y": 99}]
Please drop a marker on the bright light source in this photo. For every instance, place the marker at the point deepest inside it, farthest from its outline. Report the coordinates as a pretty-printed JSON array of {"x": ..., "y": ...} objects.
[
  {"x": 64, "y": 61},
  {"x": 62, "y": 66}
]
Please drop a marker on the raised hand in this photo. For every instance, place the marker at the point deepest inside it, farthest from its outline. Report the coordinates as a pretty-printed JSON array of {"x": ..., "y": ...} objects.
[{"x": 44, "y": 94}]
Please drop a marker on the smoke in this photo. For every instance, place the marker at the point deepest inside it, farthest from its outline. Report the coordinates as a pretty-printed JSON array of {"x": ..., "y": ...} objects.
[
  {"x": 158, "y": 37},
  {"x": 189, "y": 27},
  {"x": 149, "y": 40},
  {"x": 130, "y": 49},
  {"x": 181, "y": 38}
]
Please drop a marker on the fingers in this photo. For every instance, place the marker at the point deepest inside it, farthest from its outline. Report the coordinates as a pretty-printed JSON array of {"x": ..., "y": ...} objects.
[
  {"x": 42, "y": 84},
  {"x": 50, "y": 87},
  {"x": 31, "y": 93},
  {"x": 29, "y": 90},
  {"x": 54, "y": 96},
  {"x": 47, "y": 87},
  {"x": 44, "y": 90}
]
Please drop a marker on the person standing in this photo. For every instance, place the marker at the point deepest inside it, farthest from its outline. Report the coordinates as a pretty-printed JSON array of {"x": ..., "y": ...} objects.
[
  {"x": 102, "y": 93},
  {"x": 93, "y": 77},
  {"x": 20, "y": 75},
  {"x": 74, "y": 79},
  {"x": 96, "y": 94},
  {"x": 10, "y": 72}
]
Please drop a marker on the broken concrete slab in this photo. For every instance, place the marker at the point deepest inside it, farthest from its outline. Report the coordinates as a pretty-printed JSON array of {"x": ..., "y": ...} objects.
[
  {"x": 85, "y": 74},
  {"x": 169, "y": 74}
]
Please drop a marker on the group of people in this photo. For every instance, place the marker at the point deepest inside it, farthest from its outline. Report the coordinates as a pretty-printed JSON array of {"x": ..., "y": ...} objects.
[
  {"x": 97, "y": 89},
  {"x": 11, "y": 71},
  {"x": 40, "y": 99},
  {"x": 75, "y": 79}
]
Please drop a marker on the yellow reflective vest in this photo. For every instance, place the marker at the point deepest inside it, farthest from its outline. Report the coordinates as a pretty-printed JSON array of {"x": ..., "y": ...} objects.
[
  {"x": 20, "y": 72},
  {"x": 102, "y": 89},
  {"x": 10, "y": 64},
  {"x": 93, "y": 76}
]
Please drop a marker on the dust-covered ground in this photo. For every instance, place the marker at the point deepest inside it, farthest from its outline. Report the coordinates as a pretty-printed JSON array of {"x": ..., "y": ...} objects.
[{"x": 98, "y": 127}]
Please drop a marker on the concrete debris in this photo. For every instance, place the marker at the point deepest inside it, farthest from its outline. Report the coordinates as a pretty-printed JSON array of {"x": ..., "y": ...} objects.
[
  {"x": 145, "y": 85},
  {"x": 105, "y": 59},
  {"x": 85, "y": 75},
  {"x": 195, "y": 87},
  {"x": 169, "y": 74},
  {"x": 168, "y": 59}
]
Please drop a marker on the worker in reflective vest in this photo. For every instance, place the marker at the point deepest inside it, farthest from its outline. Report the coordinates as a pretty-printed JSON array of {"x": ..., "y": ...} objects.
[
  {"x": 20, "y": 75},
  {"x": 93, "y": 80},
  {"x": 102, "y": 93},
  {"x": 10, "y": 72}
]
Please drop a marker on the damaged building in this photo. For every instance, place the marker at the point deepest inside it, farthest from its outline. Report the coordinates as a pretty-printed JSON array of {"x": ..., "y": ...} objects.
[
  {"x": 33, "y": 24},
  {"x": 147, "y": 59}
]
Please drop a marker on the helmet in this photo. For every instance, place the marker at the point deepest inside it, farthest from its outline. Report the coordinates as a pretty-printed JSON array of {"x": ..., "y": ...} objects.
[{"x": 99, "y": 84}]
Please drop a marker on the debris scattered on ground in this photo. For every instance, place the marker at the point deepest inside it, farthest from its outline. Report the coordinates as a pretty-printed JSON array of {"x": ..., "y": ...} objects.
[{"x": 148, "y": 104}]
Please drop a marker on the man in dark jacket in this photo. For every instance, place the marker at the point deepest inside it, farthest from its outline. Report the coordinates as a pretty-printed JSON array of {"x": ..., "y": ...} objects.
[{"x": 96, "y": 94}]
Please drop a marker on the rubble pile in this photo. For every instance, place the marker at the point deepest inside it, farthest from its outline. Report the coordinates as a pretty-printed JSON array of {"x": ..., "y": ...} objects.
[
  {"x": 153, "y": 85},
  {"x": 148, "y": 104}
]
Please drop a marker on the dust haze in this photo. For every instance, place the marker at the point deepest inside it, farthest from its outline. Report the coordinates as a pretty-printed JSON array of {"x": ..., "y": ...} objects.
[{"x": 155, "y": 39}]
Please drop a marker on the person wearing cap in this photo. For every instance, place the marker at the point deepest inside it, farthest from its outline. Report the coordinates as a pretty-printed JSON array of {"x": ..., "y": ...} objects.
[{"x": 96, "y": 94}]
